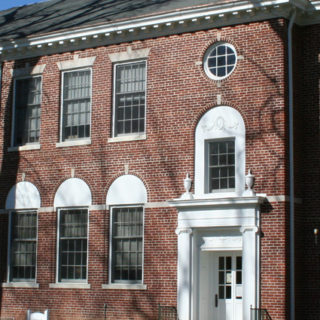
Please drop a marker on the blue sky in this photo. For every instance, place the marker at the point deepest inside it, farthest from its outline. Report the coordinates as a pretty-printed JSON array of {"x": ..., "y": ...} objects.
[{"x": 6, "y": 4}]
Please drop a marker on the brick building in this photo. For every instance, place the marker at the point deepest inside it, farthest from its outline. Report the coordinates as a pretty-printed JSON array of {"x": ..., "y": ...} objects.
[{"x": 131, "y": 133}]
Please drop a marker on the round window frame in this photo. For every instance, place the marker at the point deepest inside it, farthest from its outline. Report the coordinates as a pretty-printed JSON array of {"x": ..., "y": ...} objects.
[{"x": 206, "y": 57}]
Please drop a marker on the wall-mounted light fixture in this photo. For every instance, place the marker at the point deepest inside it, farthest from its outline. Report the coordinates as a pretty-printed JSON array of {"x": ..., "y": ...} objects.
[{"x": 316, "y": 232}]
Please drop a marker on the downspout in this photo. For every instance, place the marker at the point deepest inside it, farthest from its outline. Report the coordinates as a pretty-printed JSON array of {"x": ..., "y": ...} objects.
[{"x": 291, "y": 170}]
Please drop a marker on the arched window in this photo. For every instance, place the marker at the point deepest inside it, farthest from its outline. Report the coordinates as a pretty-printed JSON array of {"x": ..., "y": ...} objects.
[
  {"x": 126, "y": 198},
  {"x": 220, "y": 153},
  {"x": 72, "y": 200},
  {"x": 23, "y": 201}
]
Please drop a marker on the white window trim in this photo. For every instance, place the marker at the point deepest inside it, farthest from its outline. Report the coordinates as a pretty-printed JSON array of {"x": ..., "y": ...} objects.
[
  {"x": 64, "y": 143},
  {"x": 23, "y": 283},
  {"x": 129, "y": 55},
  {"x": 28, "y": 71},
  {"x": 128, "y": 137},
  {"x": 76, "y": 63},
  {"x": 14, "y": 147},
  {"x": 221, "y": 122},
  {"x": 69, "y": 283},
  {"x": 74, "y": 143},
  {"x": 124, "y": 284},
  {"x": 208, "y": 52},
  {"x": 119, "y": 136},
  {"x": 27, "y": 147}
]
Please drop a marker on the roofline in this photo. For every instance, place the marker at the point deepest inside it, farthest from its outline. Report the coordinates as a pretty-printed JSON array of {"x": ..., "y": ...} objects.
[{"x": 218, "y": 15}]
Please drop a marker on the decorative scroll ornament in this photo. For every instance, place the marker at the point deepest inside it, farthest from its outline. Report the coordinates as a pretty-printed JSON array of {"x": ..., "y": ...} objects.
[{"x": 220, "y": 124}]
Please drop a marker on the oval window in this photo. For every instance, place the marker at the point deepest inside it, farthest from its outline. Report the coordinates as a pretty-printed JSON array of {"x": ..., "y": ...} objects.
[{"x": 220, "y": 60}]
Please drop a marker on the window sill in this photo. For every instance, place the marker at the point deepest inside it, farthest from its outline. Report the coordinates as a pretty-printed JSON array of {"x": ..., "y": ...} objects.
[
  {"x": 69, "y": 285},
  {"x": 35, "y": 146},
  {"x": 131, "y": 137},
  {"x": 20, "y": 285},
  {"x": 73, "y": 143},
  {"x": 129, "y": 286}
]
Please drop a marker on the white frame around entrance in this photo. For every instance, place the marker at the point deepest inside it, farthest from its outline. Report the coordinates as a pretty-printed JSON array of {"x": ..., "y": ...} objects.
[{"x": 240, "y": 214}]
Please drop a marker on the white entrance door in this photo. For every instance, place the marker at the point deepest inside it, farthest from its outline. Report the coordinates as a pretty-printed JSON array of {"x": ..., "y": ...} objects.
[{"x": 220, "y": 285}]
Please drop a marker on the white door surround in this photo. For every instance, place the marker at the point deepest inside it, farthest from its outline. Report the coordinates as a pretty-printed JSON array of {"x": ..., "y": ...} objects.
[{"x": 222, "y": 224}]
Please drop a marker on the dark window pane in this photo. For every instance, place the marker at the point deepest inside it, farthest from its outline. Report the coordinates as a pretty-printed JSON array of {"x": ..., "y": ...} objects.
[
  {"x": 228, "y": 263},
  {"x": 130, "y": 95},
  {"x": 27, "y": 110},
  {"x": 221, "y": 277},
  {"x": 212, "y": 62},
  {"x": 221, "y": 71},
  {"x": 239, "y": 263},
  {"x": 228, "y": 292},
  {"x": 73, "y": 244},
  {"x": 239, "y": 277},
  {"x": 127, "y": 239},
  {"x": 221, "y": 292},
  {"x": 76, "y": 104},
  {"x": 221, "y": 164},
  {"x": 221, "y": 263},
  {"x": 23, "y": 246}
]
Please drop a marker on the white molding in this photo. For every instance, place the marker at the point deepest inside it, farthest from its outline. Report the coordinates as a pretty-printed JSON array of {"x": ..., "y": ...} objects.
[
  {"x": 28, "y": 71},
  {"x": 73, "y": 192},
  {"x": 46, "y": 209},
  {"x": 23, "y": 195},
  {"x": 244, "y": 229},
  {"x": 183, "y": 230},
  {"x": 231, "y": 201},
  {"x": 73, "y": 143},
  {"x": 151, "y": 205},
  {"x": 97, "y": 207},
  {"x": 120, "y": 286},
  {"x": 31, "y": 285},
  {"x": 219, "y": 123},
  {"x": 76, "y": 63},
  {"x": 148, "y": 27},
  {"x": 27, "y": 147},
  {"x": 129, "y": 137},
  {"x": 177, "y": 203},
  {"x": 127, "y": 189},
  {"x": 129, "y": 54},
  {"x": 69, "y": 285}
]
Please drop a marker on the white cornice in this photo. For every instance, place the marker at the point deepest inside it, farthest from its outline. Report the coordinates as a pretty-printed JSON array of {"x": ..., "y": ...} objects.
[
  {"x": 218, "y": 202},
  {"x": 157, "y": 25}
]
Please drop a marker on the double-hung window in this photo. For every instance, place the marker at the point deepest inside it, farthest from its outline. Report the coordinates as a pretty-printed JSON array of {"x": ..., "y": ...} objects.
[
  {"x": 73, "y": 245},
  {"x": 76, "y": 104},
  {"x": 23, "y": 246},
  {"x": 129, "y": 98},
  {"x": 221, "y": 165},
  {"x": 127, "y": 245},
  {"x": 27, "y": 111}
]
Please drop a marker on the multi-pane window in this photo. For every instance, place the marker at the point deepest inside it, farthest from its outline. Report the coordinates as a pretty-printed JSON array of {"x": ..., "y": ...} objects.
[
  {"x": 127, "y": 244},
  {"x": 27, "y": 111},
  {"x": 220, "y": 60},
  {"x": 76, "y": 109},
  {"x": 73, "y": 245},
  {"x": 23, "y": 246},
  {"x": 129, "y": 98},
  {"x": 221, "y": 165}
]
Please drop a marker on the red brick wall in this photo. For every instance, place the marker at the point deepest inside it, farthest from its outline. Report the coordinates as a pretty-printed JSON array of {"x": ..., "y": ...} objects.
[{"x": 178, "y": 94}]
